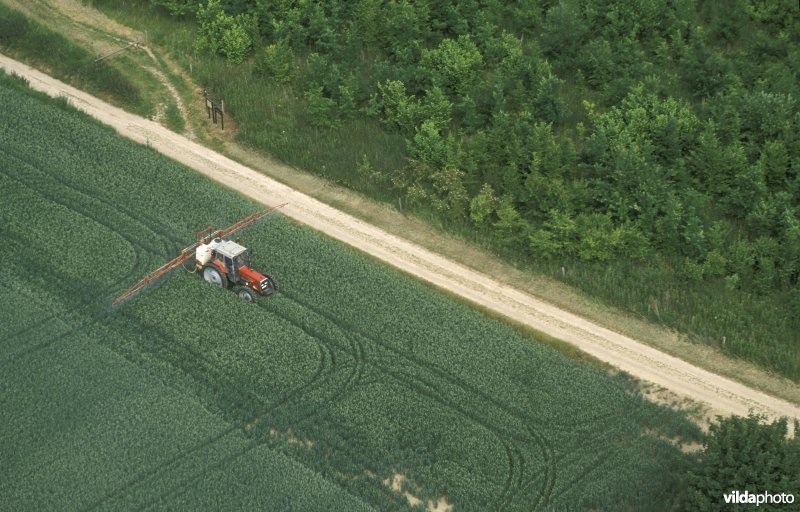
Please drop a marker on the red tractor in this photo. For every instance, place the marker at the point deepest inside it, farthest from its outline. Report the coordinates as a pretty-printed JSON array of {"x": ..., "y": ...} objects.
[{"x": 222, "y": 262}]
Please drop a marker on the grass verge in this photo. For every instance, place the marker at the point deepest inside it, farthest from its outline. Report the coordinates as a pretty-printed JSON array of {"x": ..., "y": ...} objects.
[{"x": 33, "y": 43}]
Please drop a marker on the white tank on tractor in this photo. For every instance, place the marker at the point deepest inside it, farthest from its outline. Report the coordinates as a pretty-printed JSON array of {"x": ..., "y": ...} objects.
[{"x": 203, "y": 253}]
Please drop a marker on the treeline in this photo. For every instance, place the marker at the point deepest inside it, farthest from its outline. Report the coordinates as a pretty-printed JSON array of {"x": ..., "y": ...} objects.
[
  {"x": 745, "y": 454},
  {"x": 663, "y": 134}
]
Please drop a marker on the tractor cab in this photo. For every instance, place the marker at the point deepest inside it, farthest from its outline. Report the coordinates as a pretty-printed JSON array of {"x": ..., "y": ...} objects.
[{"x": 233, "y": 256}]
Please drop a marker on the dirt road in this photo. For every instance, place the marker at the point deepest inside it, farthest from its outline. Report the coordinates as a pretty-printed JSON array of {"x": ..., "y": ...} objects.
[{"x": 721, "y": 394}]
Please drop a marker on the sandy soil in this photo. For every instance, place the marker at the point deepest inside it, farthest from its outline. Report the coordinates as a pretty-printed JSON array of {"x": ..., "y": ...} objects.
[
  {"x": 720, "y": 394},
  {"x": 399, "y": 484}
]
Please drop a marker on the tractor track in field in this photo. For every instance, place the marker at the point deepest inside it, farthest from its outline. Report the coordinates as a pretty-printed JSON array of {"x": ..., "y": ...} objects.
[
  {"x": 147, "y": 474},
  {"x": 184, "y": 484},
  {"x": 199, "y": 368},
  {"x": 95, "y": 196},
  {"x": 723, "y": 395},
  {"x": 34, "y": 323},
  {"x": 597, "y": 463},
  {"x": 194, "y": 364},
  {"x": 330, "y": 348},
  {"x": 424, "y": 387},
  {"x": 138, "y": 266},
  {"x": 354, "y": 347},
  {"x": 411, "y": 381},
  {"x": 515, "y": 481},
  {"x": 87, "y": 197}
]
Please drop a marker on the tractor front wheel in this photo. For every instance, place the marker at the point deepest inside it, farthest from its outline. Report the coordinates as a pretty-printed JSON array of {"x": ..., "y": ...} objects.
[
  {"x": 247, "y": 294},
  {"x": 215, "y": 277}
]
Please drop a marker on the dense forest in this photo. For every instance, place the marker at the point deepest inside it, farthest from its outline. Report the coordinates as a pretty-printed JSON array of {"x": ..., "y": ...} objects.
[{"x": 650, "y": 147}]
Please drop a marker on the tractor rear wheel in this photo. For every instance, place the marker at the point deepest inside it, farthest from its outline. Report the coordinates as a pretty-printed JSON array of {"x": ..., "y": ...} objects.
[
  {"x": 215, "y": 277},
  {"x": 247, "y": 294}
]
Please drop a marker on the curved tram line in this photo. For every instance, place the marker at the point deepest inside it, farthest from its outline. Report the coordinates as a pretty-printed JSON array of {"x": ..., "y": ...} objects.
[
  {"x": 198, "y": 367},
  {"x": 422, "y": 381}
]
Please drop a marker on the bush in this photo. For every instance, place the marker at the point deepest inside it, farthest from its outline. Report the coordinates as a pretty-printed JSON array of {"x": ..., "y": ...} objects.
[
  {"x": 744, "y": 454},
  {"x": 223, "y": 34},
  {"x": 275, "y": 62},
  {"x": 322, "y": 111},
  {"x": 236, "y": 43}
]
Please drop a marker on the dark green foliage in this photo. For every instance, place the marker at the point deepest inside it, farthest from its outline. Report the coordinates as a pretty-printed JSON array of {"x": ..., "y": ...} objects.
[
  {"x": 187, "y": 397},
  {"x": 744, "y": 454},
  {"x": 221, "y": 33},
  {"x": 275, "y": 61},
  {"x": 608, "y": 132},
  {"x": 179, "y": 7},
  {"x": 321, "y": 109}
]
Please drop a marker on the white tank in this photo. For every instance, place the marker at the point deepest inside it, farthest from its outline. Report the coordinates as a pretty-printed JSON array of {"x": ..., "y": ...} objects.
[{"x": 203, "y": 254}]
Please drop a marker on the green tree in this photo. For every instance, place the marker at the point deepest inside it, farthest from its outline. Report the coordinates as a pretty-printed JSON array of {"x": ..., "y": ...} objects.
[
  {"x": 454, "y": 64},
  {"x": 774, "y": 163},
  {"x": 548, "y": 103},
  {"x": 744, "y": 454},
  {"x": 714, "y": 165},
  {"x": 597, "y": 60},
  {"x": 450, "y": 196},
  {"x": 748, "y": 188},
  {"x": 213, "y": 23},
  {"x": 705, "y": 70},
  {"x": 223, "y": 34},
  {"x": 559, "y": 236},
  {"x": 179, "y": 7},
  {"x": 399, "y": 108},
  {"x": 322, "y": 111},
  {"x": 637, "y": 152},
  {"x": 429, "y": 146},
  {"x": 437, "y": 108},
  {"x": 404, "y": 26},
  {"x": 598, "y": 239},
  {"x": 563, "y": 32},
  {"x": 275, "y": 62},
  {"x": 510, "y": 228},
  {"x": 366, "y": 16},
  {"x": 483, "y": 205},
  {"x": 236, "y": 43}
]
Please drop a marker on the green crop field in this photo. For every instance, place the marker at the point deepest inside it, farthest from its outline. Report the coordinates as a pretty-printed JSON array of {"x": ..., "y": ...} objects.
[{"x": 189, "y": 398}]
